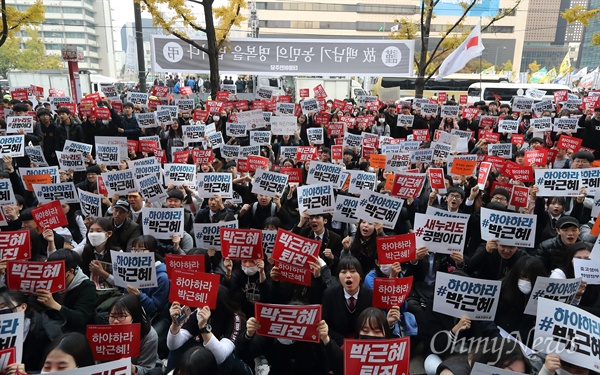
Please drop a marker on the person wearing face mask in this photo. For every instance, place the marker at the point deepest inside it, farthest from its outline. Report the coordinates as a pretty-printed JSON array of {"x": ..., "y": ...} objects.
[
  {"x": 381, "y": 128},
  {"x": 514, "y": 295},
  {"x": 95, "y": 254},
  {"x": 247, "y": 282}
]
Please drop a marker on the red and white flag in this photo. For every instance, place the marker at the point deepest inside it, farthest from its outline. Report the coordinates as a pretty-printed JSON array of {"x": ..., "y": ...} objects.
[{"x": 469, "y": 49}]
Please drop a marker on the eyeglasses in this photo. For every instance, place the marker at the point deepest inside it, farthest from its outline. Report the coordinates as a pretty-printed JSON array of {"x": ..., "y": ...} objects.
[
  {"x": 454, "y": 196},
  {"x": 119, "y": 318},
  {"x": 499, "y": 199},
  {"x": 138, "y": 249}
]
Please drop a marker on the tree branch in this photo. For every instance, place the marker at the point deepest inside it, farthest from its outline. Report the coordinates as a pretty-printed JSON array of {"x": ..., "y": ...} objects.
[
  {"x": 222, "y": 41},
  {"x": 189, "y": 41},
  {"x": 498, "y": 17},
  {"x": 193, "y": 25},
  {"x": 4, "y": 33}
]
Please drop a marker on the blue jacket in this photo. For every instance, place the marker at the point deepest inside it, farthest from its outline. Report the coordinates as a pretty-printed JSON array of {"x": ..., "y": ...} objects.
[{"x": 153, "y": 300}]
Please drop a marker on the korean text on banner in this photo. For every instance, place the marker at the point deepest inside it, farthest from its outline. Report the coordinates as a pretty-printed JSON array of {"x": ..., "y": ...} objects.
[
  {"x": 134, "y": 269},
  {"x": 194, "y": 289},
  {"x": 440, "y": 234},
  {"x": 391, "y": 356},
  {"x": 509, "y": 228},
  {"x": 298, "y": 323}
]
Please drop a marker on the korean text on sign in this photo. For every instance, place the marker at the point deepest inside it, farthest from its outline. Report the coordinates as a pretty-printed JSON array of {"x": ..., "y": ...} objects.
[
  {"x": 114, "y": 341},
  {"x": 135, "y": 269},
  {"x": 194, "y": 289},
  {"x": 294, "y": 249},
  {"x": 390, "y": 292},
  {"x": 379, "y": 357},
  {"x": 241, "y": 244},
  {"x": 297, "y": 323},
  {"x": 440, "y": 234},
  {"x": 375, "y": 207},
  {"x": 509, "y": 228},
  {"x": 29, "y": 277}
]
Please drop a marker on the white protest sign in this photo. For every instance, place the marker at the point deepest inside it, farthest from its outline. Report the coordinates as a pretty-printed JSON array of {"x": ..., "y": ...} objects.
[
  {"x": 120, "y": 367},
  {"x": 568, "y": 331},
  {"x": 216, "y": 140},
  {"x": 208, "y": 236},
  {"x": 264, "y": 93},
  {"x": 423, "y": 156},
  {"x": 193, "y": 133},
  {"x": 375, "y": 207},
  {"x": 12, "y": 145},
  {"x": 345, "y": 209},
  {"x": 91, "y": 204},
  {"x": 460, "y": 296},
  {"x": 588, "y": 270},
  {"x": 316, "y": 199},
  {"x": 562, "y": 290},
  {"x": 535, "y": 93},
  {"x": 540, "y": 107},
  {"x": 135, "y": 269},
  {"x": 389, "y": 94},
  {"x": 71, "y": 160},
  {"x": 352, "y": 140},
  {"x": 146, "y": 120},
  {"x": 36, "y": 155},
  {"x": 419, "y": 102},
  {"x": 315, "y": 136},
  {"x": 151, "y": 188},
  {"x": 398, "y": 162},
  {"x": 145, "y": 166},
  {"x": 590, "y": 179},
  {"x": 110, "y": 92},
  {"x": 77, "y": 147},
  {"x": 235, "y": 130},
  {"x": 268, "y": 241},
  {"x": 120, "y": 182},
  {"x": 55, "y": 101},
  {"x": 211, "y": 184},
  {"x": 246, "y": 151},
  {"x": 269, "y": 183},
  {"x": 7, "y": 195},
  {"x": 443, "y": 235},
  {"x": 140, "y": 98},
  {"x": 429, "y": 109},
  {"x": 108, "y": 155},
  {"x": 308, "y": 106},
  {"x": 558, "y": 182},
  {"x": 503, "y": 150},
  {"x": 12, "y": 332},
  {"x": 15, "y": 124},
  {"x": 449, "y": 111},
  {"x": 565, "y": 124},
  {"x": 285, "y": 109},
  {"x": 162, "y": 117},
  {"x": 252, "y": 119},
  {"x": 162, "y": 223},
  {"x": 52, "y": 171},
  {"x": 508, "y": 126},
  {"x": 362, "y": 100},
  {"x": 64, "y": 192},
  {"x": 230, "y": 151},
  {"x": 511, "y": 229},
  {"x": 326, "y": 173},
  {"x": 440, "y": 150},
  {"x": 406, "y": 120},
  {"x": 179, "y": 174},
  {"x": 541, "y": 124},
  {"x": 360, "y": 180},
  {"x": 119, "y": 141},
  {"x": 284, "y": 125},
  {"x": 521, "y": 104},
  {"x": 260, "y": 138},
  {"x": 185, "y": 105}
]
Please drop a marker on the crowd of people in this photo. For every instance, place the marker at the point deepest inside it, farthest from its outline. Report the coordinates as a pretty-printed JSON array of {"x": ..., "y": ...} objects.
[{"x": 225, "y": 340}]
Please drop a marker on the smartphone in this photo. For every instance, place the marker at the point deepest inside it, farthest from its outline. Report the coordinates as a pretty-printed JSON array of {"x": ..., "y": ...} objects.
[{"x": 185, "y": 314}]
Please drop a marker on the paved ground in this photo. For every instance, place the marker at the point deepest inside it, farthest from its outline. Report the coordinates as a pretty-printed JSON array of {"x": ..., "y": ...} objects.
[{"x": 416, "y": 366}]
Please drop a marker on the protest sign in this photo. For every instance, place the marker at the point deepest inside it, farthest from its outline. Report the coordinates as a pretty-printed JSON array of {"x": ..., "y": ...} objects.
[
  {"x": 135, "y": 269},
  {"x": 208, "y": 236},
  {"x": 408, "y": 185},
  {"x": 91, "y": 204},
  {"x": 119, "y": 367},
  {"x": 569, "y": 331},
  {"x": 443, "y": 235},
  {"x": 235, "y": 130},
  {"x": 389, "y": 356},
  {"x": 315, "y": 136},
  {"x": 377, "y": 161},
  {"x": 345, "y": 209},
  {"x": 194, "y": 263},
  {"x": 257, "y": 162},
  {"x": 390, "y": 292},
  {"x": 558, "y": 182},
  {"x": 535, "y": 93},
  {"x": 194, "y": 289},
  {"x": 521, "y": 104},
  {"x": 260, "y": 138},
  {"x": 503, "y": 150},
  {"x": 400, "y": 248},
  {"x": 113, "y": 141},
  {"x": 71, "y": 161},
  {"x": 12, "y": 145},
  {"x": 150, "y": 120},
  {"x": 162, "y": 223},
  {"x": 294, "y": 249},
  {"x": 145, "y": 167},
  {"x": 294, "y": 274},
  {"x": 511, "y": 229},
  {"x": 7, "y": 195},
  {"x": 519, "y": 196},
  {"x": 211, "y": 184},
  {"x": 294, "y": 174},
  {"x": 15, "y": 245},
  {"x": 140, "y": 98},
  {"x": 241, "y": 244},
  {"x": 436, "y": 180},
  {"x": 64, "y": 192},
  {"x": 562, "y": 290},
  {"x": 569, "y": 143},
  {"x": 202, "y": 156},
  {"x": 36, "y": 156},
  {"x": 352, "y": 140},
  {"x": 316, "y": 199},
  {"x": 448, "y": 111},
  {"x": 305, "y": 153},
  {"x": 325, "y": 173},
  {"x": 360, "y": 180},
  {"x": 120, "y": 182},
  {"x": 542, "y": 124},
  {"x": 309, "y": 105},
  {"x": 271, "y": 184},
  {"x": 588, "y": 270},
  {"x": 12, "y": 334},
  {"x": 108, "y": 155},
  {"x": 17, "y": 124},
  {"x": 215, "y": 140},
  {"x": 460, "y": 296},
  {"x": 30, "y": 180},
  {"x": 298, "y": 323},
  {"x": 508, "y": 126},
  {"x": 285, "y": 109},
  {"x": 463, "y": 166},
  {"x": 268, "y": 241},
  {"x": 114, "y": 341},
  {"x": 536, "y": 157},
  {"x": 590, "y": 179},
  {"x": 29, "y": 277},
  {"x": 284, "y": 125},
  {"x": 421, "y": 156},
  {"x": 8, "y": 356},
  {"x": 180, "y": 174},
  {"x": 375, "y": 207},
  {"x": 49, "y": 215},
  {"x": 482, "y": 369}
]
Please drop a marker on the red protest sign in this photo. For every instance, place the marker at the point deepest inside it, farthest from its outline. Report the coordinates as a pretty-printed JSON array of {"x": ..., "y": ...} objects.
[
  {"x": 72, "y": 107},
  {"x": 192, "y": 263},
  {"x": 15, "y": 245},
  {"x": 294, "y": 174},
  {"x": 519, "y": 196},
  {"x": 569, "y": 143},
  {"x": 519, "y": 172},
  {"x": 482, "y": 176},
  {"x": 117, "y": 106},
  {"x": 377, "y": 356},
  {"x": 49, "y": 215},
  {"x": 201, "y": 116},
  {"x": 56, "y": 92},
  {"x": 160, "y": 91},
  {"x": 436, "y": 178},
  {"x": 202, "y": 156},
  {"x": 101, "y": 186},
  {"x": 335, "y": 129},
  {"x": 101, "y": 113},
  {"x": 401, "y": 248},
  {"x": 148, "y": 146},
  {"x": 88, "y": 102},
  {"x": 86, "y": 111},
  {"x": 185, "y": 90},
  {"x": 390, "y": 292},
  {"x": 442, "y": 97},
  {"x": 552, "y": 154},
  {"x": 322, "y": 119},
  {"x": 306, "y": 153},
  {"x": 257, "y": 162},
  {"x": 36, "y": 90},
  {"x": 259, "y": 104},
  {"x": 222, "y": 96},
  {"x": 161, "y": 155},
  {"x": 463, "y": 99},
  {"x": 241, "y": 105},
  {"x": 181, "y": 157},
  {"x": 503, "y": 185},
  {"x": 214, "y": 106},
  {"x": 20, "y": 94},
  {"x": 370, "y": 140},
  {"x": 463, "y": 167},
  {"x": 319, "y": 91},
  {"x": 338, "y": 103},
  {"x": 8, "y": 356},
  {"x": 304, "y": 93},
  {"x": 132, "y": 145},
  {"x": 94, "y": 96},
  {"x": 294, "y": 249},
  {"x": 490, "y": 137},
  {"x": 242, "y": 165},
  {"x": 241, "y": 244},
  {"x": 537, "y": 157},
  {"x": 29, "y": 277},
  {"x": 517, "y": 139},
  {"x": 284, "y": 99},
  {"x": 497, "y": 161},
  {"x": 110, "y": 342},
  {"x": 298, "y": 323},
  {"x": 293, "y": 274},
  {"x": 194, "y": 289},
  {"x": 408, "y": 185},
  {"x": 470, "y": 113},
  {"x": 561, "y": 96},
  {"x": 367, "y": 152},
  {"x": 421, "y": 135},
  {"x": 337, "y": 152}
]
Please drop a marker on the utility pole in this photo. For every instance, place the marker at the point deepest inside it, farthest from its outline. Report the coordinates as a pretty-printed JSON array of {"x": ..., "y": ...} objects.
[{"x": 139, "y": 41}]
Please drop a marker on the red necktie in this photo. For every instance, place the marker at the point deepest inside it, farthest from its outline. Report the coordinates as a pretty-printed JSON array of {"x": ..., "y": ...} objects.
[{"x": 351, "y": 304}]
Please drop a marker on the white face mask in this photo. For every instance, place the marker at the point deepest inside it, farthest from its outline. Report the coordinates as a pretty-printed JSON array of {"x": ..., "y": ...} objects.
[
  {"x": 97, "y": 238},
  {"x": 105, "y": 122},
  {"x": 216, "y": 118},
  {"x": 285, "y": 341},
  {"x": 524, "y": 286},
  {"x": 381, "y": 120},
  {"x": 386, "y": 269},
  {"x": 250, "y": 271}
]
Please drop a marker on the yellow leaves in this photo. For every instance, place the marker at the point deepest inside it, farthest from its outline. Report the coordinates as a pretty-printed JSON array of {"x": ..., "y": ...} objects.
[
  {"x": 579, "y": 13},
  {"x": 595, "y": 40},
  {"x": 31, "y": 16},
  {"x": 228, "y": 15},
  {"x": 534, "y": 67},
  {"x": 407, "y": 30}
]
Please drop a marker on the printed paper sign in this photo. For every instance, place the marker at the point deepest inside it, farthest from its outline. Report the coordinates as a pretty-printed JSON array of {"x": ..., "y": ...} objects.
[
  {"x": 12, "y": 145},
  {"x": 71, "y": 161},
  {"x": 422, "y": 156},
  {"x": 309, "y": 105},
  {"x": 120, "y": 367},
  {"x": 519, "y": 196},
  {"x": 148, "y": 120},
  {"x": 7, "y": 195},
  {"x": 569, "y": 331},
  {"x": 64, "y": 192},
  {"x": 315, "y": 136},
  {"x": 460, "y": 296},
  {"x": 481, "y": 369},
  {"x": 49, "y": 215},
  {"x": 565, "y": 124},
  {"x": 588, "y": 270},
  {"x": 114, "y": 341},
  {"x": 7, "y": 357},
  {"x": 189, "y": 262},
  {"x": 569, "y": 143},
  {"x": 12, "y": 333},
  {"x": 260, "y": 138},
  {"x": 375, "y": 207},
  {"x": 120, "y": 182},
  {"x": 408, "y": 185},
  {"x": 360, "y": 180},
  {"x": 271, "y": 184},
  {"x": 503, "y": 150},
  {"x": 443, "y": 235},
  {"x": 400, "y": 248},
  {"x": 390, "y": 292},
  {"x": 36, "y": 155},
  {"x": 180, "y": 174},
  {"x": 241, "y": 244},
  {"x": 211, "y": 184},
  {"x": 145, "y": 167},
  {"x": 208, "y": 236},
  {"x": 391, "y": 356},
  {"x": 508, "y": 126},
  {"x": 554, "y": 289},
  {"x": 542, "y": 124},
  {"x": 162, "y": 223},
  {"x": 535, "y": 93},
  {"x": 284, "y": 125},
  {"x": 436, "y": 180},
  {"x": 298, "y": 323},
  {"x": 325, "y": 173},
  {"x": 294, "y": 174},
  {"x": 135, "y": 269},
  {"x": 151, "y": 188},
  {"x": 17, "y": 124},
  {"x": 345, "y": 209},
  {"x": 91, "y": 204},
  {"x": 140, "y": 98},
  {"x": 118, "y": 141},
  {"x": 449, "y": 111},
  {"x": 509, "y": 228},
  {"x": 15, "y": 245},
  {"x": 316, "y": 199},
  {"x": 29, "y": 277},
  {"x": 77, "y": 147},
  {"x": 558, "y": 182},
  {"x": 194, "y": 289},
  {"x": 521, "y": 104},
  {"x": 590, "y": 179},
  {"x": 294, "y": 249}
]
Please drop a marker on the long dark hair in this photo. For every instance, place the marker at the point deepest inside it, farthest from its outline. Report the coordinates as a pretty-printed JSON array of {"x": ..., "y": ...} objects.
[
  {"x": 131, "y": 304},
  {"x": 197, "y": 361},
  {"x": 511, "y": 298},
  {"x": 364, "y": 249},
  {"x": 72, "y": 225},
  {"x": 375, "y": 319},
  {"x": 225, "y": 312},
  {"x": 566, "y": 264},
  {"x": 499, "y": 353},
  {"x": 74, "y": 344},
  {"x": 14, "y": 298},
  {"x": 150, "y": 243}
]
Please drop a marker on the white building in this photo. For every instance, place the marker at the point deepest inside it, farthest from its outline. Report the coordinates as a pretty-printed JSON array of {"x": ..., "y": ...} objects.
[{"x": 83, "y": 23}]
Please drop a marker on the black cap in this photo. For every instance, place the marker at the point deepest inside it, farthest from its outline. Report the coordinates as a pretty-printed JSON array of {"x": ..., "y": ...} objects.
[
  {"x": 123, "y": 204},
  {"x": 567, "y": 221},
  {"x": 175, "y": 193},
  {"x": 26, "y": 215},
  {"x": 93, "y": 169},
  {"x": 229, "y": 164}
]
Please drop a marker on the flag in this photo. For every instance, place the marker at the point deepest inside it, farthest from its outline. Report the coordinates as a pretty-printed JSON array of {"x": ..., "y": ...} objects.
[
  {"x": 469, "y": 49},
  {"x": 589, "y": 79},
  {"x": 382, "y": 27},
  {"x": 549, "y": 76},
  {"x": 395, "y": 28},
  {"x": 489, "y": 70},
  {"x": 565, "y": 66},
  {"x": 582, "y": 72}
]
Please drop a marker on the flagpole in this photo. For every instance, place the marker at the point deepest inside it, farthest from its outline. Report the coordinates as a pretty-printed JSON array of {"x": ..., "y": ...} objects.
[{"x": 480, "y": 67}]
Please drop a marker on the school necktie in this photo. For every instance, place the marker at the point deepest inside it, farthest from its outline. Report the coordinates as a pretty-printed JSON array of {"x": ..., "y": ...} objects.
[{"x": 351, "y": 304}]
